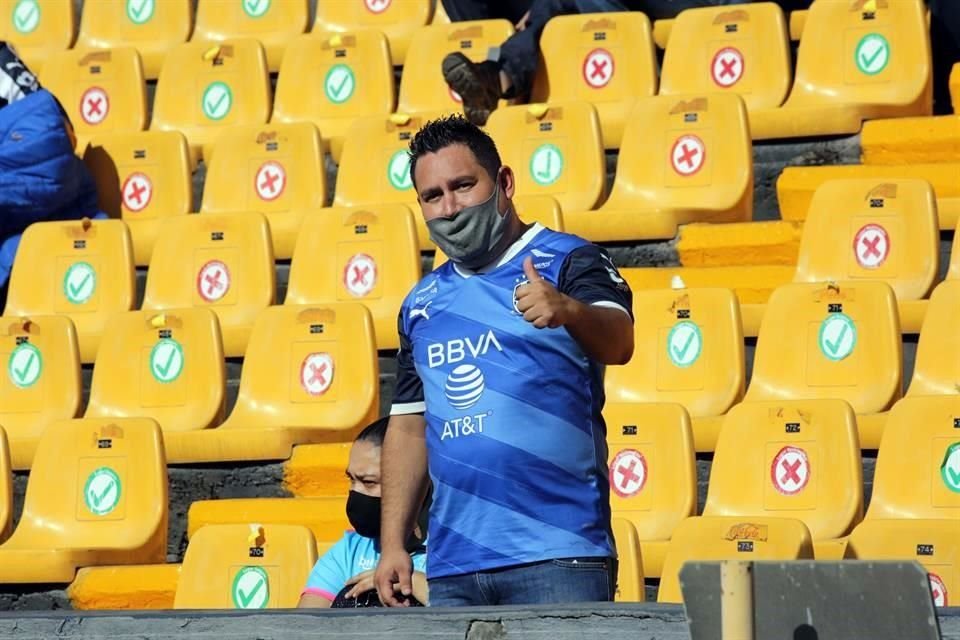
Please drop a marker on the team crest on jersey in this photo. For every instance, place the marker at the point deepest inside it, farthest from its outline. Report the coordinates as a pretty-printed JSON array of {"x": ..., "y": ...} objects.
[{"x": 519, "y": 282}]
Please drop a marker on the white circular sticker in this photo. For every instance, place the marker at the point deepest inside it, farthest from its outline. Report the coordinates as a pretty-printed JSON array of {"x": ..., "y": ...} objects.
[
  {"x": 377, "y": 6},
  {"x": 684, "y": 343},
  {"x": 213, "y": 281},
  {"x": 871, "y": 245},
  {"x": 251, "y": 588},
  {"x": 938, "y": 590},
  {"x": 316, "y": 373},
  {"x": 25, "y": 365},
  {"x": 101, "y": 493},
  {"x": 598, "y": 68},
  {"x": 137, "y": 192},
  {"x": 727, "y": 67},
  {"x": 79, "y": 282},
  {"x": 838, "y": 336},
  {"x": 628, "y": 473},
  {"x": 270, "y": 181},
  {"x": 360, "y": 275},
  {"x": 94, "y": 105},
  {"x": 687, "y": 155},
  {"x": 790, "y": 470}
]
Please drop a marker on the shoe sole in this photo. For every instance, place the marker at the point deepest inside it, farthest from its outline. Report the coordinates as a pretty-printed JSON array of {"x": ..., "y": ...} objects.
[{"x": 478, "y": 100}]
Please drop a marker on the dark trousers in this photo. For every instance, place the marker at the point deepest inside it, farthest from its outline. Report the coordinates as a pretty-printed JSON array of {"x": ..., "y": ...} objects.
[{"x": 945, "y": 45}]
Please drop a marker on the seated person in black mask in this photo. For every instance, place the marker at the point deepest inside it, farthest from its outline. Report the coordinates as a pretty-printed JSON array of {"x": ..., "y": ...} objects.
[{"x": 343, "y": 577}]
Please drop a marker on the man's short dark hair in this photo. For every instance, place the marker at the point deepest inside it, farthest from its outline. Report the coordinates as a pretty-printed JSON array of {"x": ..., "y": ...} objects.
[
  {"x": 374, "y": 433},
  {"x": 443, "y": 132}
]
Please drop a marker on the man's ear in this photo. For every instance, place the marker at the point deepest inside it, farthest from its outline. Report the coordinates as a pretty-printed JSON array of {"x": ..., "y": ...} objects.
[{"x": 507, "y": 181}]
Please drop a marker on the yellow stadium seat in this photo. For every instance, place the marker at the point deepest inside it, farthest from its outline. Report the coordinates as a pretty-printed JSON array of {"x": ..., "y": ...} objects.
[
  {"x": 153, "y": 27},
  {"x": 697, "y": 168},
  {"x": 936, "y": 369},
  {"x": 630, "y": 586},
  {"x": 246, "y": 566},
  {"x": 858, "y": 60},
  {"x": 273, "y": 23},
  {"x": 142, "y": 178},
  {"x": 688, "y": 350},
  {"x": 331, "y": 80},
  {"x": 103, "y": 91},
  {"x": 397, "y": 19},
  {"x": 358, "y": 255},
  {"x": 954, "y": 271},
  {"x": 220, "y": 261},
  {"x": 205, "y": 88},
  {"x": 167, "y": 366},
  {"x": 605, "y": 59},
  {"x": 276, "y": 169},
  {"x": 42, "y": 382},
  {"x": 82, "y": 269},
  {"x": 844, "y": 343},
  {"x": 325, "y": 517},
  {"x": 872, "y": 230},
  {"x": 316, "y": 470},
  {"x": 555, "y": 150},
  {"x": 425, "y": 90},
  {"x": 97, "y": 495},
  {"x": 6, "y": 488},
  {"x": 310, "y": 374},
  {"x": 37, "y": 28},
  {"x": 731, "y": 538},
  {"x": 798, "y": 20},
  {"x": 742, "y": 49},
  {"x": 653, "y": 473}
]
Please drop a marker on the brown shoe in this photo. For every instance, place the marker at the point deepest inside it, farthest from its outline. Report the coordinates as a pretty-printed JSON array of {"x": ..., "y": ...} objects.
[{"x": 477, "y": 83}]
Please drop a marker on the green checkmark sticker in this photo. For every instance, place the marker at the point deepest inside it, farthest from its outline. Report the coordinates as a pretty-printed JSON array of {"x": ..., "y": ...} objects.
[
  {"x": 101, "y": 492},
  {"x": 872, "y": 54},
  {"x": 838, "y": 336},
  {"x": 26, "y": 16},
  {"x": 684, "y": 343},
  {"x": 25, "y": 365},
  {"x": 79, "y": 282},
  {"x": 140, "y": 11},
  {"x": 546, "y": 164},
  {"x": 217, "y": 100},
  {"x": 950, "y": 469},
  {"x": 251, "y": 588},
  {"x": 398, "y": 171},
  {"x": 255, "y": 8},
  {"x": 339, "y": 83},
  {"x": 166, "y": 360}
]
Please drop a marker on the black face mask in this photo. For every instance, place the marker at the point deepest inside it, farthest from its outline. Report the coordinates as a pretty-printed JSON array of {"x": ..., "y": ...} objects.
[{"x": 363, "y": 512}]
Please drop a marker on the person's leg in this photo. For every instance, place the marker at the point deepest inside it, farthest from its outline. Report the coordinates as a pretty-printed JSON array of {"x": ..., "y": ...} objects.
[
  {"x": 559, "y": 581},
  {"x": 459, "y": 591},
  {"x": 945, "y": 46}
]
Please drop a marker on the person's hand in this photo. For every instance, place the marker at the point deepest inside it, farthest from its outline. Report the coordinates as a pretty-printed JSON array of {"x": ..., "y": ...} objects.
[
  {"x": 540, "y": 302},
  {"x": 523, "y": 22},
  {"x": 362, "y": 582},
  {"x": 395, "y": 572}
]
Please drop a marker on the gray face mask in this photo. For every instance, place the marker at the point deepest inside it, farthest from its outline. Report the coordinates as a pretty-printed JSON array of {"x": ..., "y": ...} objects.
[{"x": 474, "y": 236}]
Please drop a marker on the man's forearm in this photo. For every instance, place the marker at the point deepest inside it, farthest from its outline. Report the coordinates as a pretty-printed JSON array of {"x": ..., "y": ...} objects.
[
  {"x": 605, "y": 334},
  {"x": 403, "y": 467}
]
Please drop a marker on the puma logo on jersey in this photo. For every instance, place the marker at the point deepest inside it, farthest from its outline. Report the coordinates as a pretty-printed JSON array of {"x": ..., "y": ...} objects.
[{"x": 422, "y": 311}]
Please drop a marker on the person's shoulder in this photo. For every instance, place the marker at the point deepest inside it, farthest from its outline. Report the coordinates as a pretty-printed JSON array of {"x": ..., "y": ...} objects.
[
  {"x": 560, "y": 240},
  {"x": 428, "y": 286}
]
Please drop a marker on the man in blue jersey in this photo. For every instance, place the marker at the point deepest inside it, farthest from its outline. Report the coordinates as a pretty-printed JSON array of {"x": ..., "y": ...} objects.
[{"x": 499, "y": 394}]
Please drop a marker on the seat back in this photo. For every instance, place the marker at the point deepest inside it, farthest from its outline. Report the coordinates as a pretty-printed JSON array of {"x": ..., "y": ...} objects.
[
  {"x": 699, "y": 158},
  {"x": 953, "y": 272},
  {"x": 272, "y": 23},
  {"x": 151, "y": 27},
  {"x": 37, "y": 28},
  {"x": 141, "y": 177},
  {"x": 555, "y": 150},
  {"x": 358, "y": 255},
  {"x": 101, "y": 90},
  {"x": 918, "y": 466},
  {"x": 789, "y": 460},
  {"x": 836, "y": 340},
  {"x": 630, "y": 565},
  {"x": 688, "y": 349},
  {"x": 220, "y": 261},
  {"x": 872, "y": 230},
  {"x": 606, "y": 59},
  {"x": 936, "y": 368},
  {"x": 245, "y": 566},
  {"x": 311, "y": 367},
  {"x": 82, "y": 269},
  {"x": 397, "y": 20},
  {"x": 426, "y": 90},
  {"x": 6, "y": 488},
  {"x": 653, "y": 471},
  {"x": 163, "y": 365},
  {"x": 325, "y": 517},
  {"x": 743, "y": 50}
]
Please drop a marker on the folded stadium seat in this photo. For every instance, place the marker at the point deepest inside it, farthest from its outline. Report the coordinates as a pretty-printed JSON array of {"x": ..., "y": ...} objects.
[
  {"x": 325, "y": 517},
  {"x": 97, "y": 495},
  {"x": 630, "y": 586},
  {"x": 276, "y": 169},
  {"x": 42, "y": 383},
  {"x": 246, "y": 566},
  {"x": 274, "y": 24},
  {"x": 555, "y": 150},
  {"x": 857, "y": 61},
  {"x": 37, "y": 28},
  {"x": 798, "y": 20},
  {"x": 653, "y": 473},
  {"x": 131, "y": 587},
  {"x": 220, "y": 261},
  {"x": 688, "y": 350},
  {"x": 936, "y": 369},
  {"x": 153, "y": 27},
  {"x": 731, "y": 538},
  {"x": 954, "y": 270},
  {"x": 697, "y": 168},
  {"x": 358, "y": 255},
  {"x": 844, "y": 343},
  {"x": 82, "y": 269},
  {"x": 333, "y": 79},
  {"x": 605, "y": 59},
  {"x": 205, "y": 88},
  {"x": 6, "y": 488},
  {"x": 425, "y": 90},
  {"x": 141, "y": 177},
  {"x": 310, "y": 375},
  {"x": 102, "y": 91},
  {"x": 742, "y": 50},
  {"x": 167, "y": 366},
  {"x": 398, "y": 20}
]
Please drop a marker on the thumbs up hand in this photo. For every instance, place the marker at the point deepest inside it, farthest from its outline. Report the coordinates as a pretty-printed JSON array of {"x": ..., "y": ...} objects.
[{"x": 540, "y": 302}]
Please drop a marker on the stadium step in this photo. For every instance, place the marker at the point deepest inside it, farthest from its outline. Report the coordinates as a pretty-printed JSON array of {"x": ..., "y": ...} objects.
[
  {"x": 908, "y": 141},
  {"x": 134, "y": 587},
  {"x": 736, "y": 244}
]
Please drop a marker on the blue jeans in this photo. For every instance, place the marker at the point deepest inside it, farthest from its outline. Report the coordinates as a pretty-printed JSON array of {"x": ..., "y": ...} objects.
[{"x": 559, "y": 581}]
